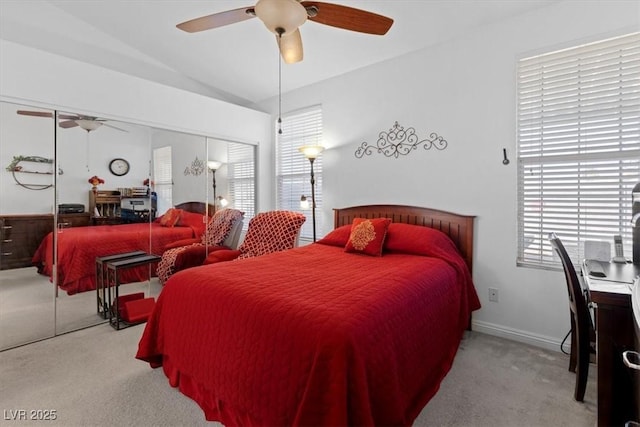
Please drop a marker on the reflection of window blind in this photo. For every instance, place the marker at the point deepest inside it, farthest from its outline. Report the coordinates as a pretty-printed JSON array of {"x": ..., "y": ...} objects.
[
  {"x": 578, "y": 147},
  {"x": 241, "y": 179},
  {"x": 303, "y": 127},
  {"x": 162, "y": 176}
]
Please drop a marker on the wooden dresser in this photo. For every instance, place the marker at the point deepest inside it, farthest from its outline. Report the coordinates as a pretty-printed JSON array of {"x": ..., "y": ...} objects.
[{"x": 20, "y": 235}]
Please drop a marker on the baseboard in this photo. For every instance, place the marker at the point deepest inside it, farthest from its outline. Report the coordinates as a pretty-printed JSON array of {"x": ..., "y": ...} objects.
[{"x": 545, "y": 342}]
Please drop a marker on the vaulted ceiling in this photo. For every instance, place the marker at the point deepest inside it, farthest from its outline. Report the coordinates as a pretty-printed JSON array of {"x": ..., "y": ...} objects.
[{"x": 239, "y": 62}]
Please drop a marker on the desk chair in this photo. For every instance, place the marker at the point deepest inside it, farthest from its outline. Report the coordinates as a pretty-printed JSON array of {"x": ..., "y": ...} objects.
[{"x": 581, "y": 324}]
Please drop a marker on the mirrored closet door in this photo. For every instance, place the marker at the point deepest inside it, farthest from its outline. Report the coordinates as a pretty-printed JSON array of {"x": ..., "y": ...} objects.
[
  {"x": 104, "y": 207},
  {"x": 72, "y": 182},
  {"x": 27, "y": 186}
]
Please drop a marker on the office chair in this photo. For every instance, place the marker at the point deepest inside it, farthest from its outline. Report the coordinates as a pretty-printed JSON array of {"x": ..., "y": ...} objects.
[{"x": 581, "y": 324}]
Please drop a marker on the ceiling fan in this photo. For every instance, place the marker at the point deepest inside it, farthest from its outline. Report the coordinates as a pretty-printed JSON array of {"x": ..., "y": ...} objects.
[
  {"x": 284, "y": 17},
  {"x": 88, "y": 123}
]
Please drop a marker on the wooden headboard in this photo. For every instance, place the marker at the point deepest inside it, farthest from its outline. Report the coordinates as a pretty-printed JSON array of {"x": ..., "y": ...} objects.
[
  {"x": 197, "y": 207},
  {"x": 458, "y": 227}
]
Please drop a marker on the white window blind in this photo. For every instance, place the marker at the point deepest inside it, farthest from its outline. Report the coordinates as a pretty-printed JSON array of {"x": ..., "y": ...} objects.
[
  {"x": 293, "y": 170},
  {"x": 578, "y": 130},
  {"x": 163, "y": 178},
  {"x": 241, "y": 179}
]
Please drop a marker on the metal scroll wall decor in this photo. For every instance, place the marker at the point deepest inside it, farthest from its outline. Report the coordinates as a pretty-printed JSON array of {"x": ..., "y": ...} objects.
[
  {"x": 399, "y": 141},
  {"x": 197, "y": 167},
  {"x": 16, "y": 168}
]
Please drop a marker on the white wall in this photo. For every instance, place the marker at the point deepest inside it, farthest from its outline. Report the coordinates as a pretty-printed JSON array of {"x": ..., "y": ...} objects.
[
  {"x": 19, "y": 139},
  {"x": 40, "y": 79},
  {"x": 463, "y": 90},
  {"x": 82, "y": 155}
]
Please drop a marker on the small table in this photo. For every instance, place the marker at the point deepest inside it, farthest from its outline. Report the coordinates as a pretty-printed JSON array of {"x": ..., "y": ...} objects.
[
  {"x": 103, "y": 302},
  {"x": 113, "y": 268}
]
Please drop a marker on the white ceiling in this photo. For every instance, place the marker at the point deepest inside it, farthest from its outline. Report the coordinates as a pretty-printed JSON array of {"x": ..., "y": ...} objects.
[{"x": 239, "y": 62}]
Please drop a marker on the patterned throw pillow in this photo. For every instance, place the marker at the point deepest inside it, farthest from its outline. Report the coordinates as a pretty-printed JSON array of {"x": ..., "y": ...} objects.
[
  {"x": 272, "y": 231},
  {"x": 170, "y": 217},
  {"x": 367, "y": 236},
  {"x": 220, "y": 226}
]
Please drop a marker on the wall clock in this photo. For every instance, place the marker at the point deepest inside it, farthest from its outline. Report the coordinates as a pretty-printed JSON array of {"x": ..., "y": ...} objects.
[{"x": 119, "y": 167}]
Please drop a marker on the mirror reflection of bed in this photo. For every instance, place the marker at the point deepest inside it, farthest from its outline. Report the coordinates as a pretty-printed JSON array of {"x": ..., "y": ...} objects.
[{"x": 31, "y": 307}]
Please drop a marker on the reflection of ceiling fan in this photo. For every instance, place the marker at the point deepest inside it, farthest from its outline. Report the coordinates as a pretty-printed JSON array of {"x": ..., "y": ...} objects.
[
  {"x": 87, "y": 123},
  {"x": 283, "y": 17}
]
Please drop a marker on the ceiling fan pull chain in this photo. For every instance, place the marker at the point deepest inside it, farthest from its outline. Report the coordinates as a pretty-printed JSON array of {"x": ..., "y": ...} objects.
[
  {"x": 280, "y": 31},
  {"x": 87, "y": 144}
]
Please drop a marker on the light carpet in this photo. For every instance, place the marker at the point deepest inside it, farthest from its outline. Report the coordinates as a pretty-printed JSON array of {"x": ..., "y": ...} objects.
[{"x": 91, "y": 378}]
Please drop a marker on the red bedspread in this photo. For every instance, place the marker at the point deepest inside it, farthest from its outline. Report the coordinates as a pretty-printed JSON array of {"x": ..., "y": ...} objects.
[
  {"x": 312, "y": 336},
  {"x": 78, "y": 248}
]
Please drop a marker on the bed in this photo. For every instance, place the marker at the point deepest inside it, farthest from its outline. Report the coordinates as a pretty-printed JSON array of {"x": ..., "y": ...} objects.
[
  {"x": 78, "y": 247},
  {"x": 317, "y": 335}
]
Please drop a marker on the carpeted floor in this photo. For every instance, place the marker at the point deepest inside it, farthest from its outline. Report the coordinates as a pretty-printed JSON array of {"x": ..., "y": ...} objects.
[
  {"x": 30, "y": 310},
  {"x": 91, "y": 378}
]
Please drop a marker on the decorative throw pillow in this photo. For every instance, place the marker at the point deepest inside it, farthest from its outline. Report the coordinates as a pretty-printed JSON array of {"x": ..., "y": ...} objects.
[
  {"x": 272, "y": 231},
  {"x": 337, "y": 237},
  {"x": 193, "y": 220},
  {"x": 221, "y": 256},
  {"x": 415, "y": 239},
  {"x": 170, "y": 217},
  {"x": 220, "y": 226},
  {"x": 367, "y": 236}
]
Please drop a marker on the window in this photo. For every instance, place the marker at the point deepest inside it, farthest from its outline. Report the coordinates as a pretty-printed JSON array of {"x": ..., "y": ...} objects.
[
  {"x": 293, "y": 170},
  {"x": 578, "y": 130},
  {"x": 241, "y": 179},
  {"x": 162, "y": 176}
]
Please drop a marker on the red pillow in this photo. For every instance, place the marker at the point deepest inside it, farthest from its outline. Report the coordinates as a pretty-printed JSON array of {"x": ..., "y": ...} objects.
[
  {"x": 416, "y": 240},
  {"x": 367, "y": 236},
  {"x": 221, "y": 255},
  {"x": 181, "y": 243},
  {"x": 337, "y": 237},
  {"x": 193, "y": 256},
  {"x": 170, "y": 217},
  {"x": 194, "y": 220}
]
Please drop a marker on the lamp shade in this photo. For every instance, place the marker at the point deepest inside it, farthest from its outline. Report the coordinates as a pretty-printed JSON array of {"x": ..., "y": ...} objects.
[
  {"x": 214, "y": 164},
  {"x": 311, "y": 151},
  {"x": 222, "y": 201},
  {"x": 304, "y": 202},
  {"x": 285, "y": 14}
]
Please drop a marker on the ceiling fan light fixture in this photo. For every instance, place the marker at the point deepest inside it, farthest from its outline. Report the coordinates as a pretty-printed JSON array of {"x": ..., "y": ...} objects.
[
  {"x": 291, "y": 47},
  {"x": 278, "y": 15},
  {"x": 88, "y": 125}
]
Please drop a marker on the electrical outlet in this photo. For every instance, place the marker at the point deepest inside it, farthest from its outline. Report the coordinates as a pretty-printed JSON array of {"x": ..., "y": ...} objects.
[{"x": 493, "y": 294}]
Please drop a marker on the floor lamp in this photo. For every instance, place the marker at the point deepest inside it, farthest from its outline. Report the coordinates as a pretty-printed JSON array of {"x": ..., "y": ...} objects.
[
  {"x": 312, "y": 152},
  {"x": 213, "y": 165}
]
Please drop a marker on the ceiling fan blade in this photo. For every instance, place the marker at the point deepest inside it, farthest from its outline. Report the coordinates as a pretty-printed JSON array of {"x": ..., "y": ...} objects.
[
  {"x": 35, "y": 113},
  {"x": 217, "y": 20},
  {"x": 291, "y": 47},
  {"x": 68, "y": 117},
  {"x": 347, "y": 18},
  {"x": 68, "y": 124},
  {"x": 114, "y": 127}
]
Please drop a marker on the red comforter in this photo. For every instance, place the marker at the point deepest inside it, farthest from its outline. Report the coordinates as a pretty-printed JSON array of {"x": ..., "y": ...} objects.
[
  {"x": 78, "y": 248},
  {"x": 312, "y": 336}
]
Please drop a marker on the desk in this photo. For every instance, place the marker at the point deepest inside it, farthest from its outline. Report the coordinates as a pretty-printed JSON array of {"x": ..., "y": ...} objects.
[{"x": 615, "y": 334}]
